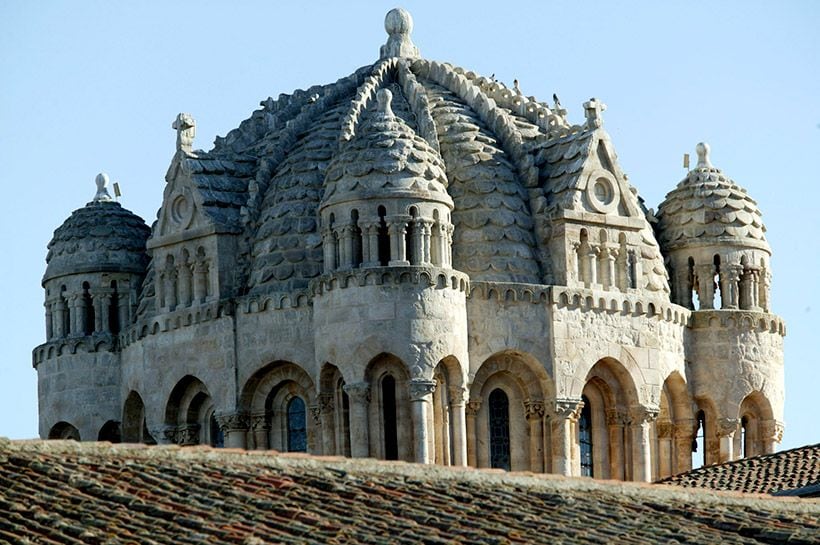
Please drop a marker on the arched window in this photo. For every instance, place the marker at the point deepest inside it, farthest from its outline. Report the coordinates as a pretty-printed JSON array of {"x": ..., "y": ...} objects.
[
  {"x": 297, "y": 425},
  {"x": 384, "y": 238},
  {"x": 88, "y": 309},
  {"x": 499, "y": 429},
  {"x": 745, "y": 447},
  {"x": 699, "y": 442},
  {"x": 356, "y": 233},
  {"x": 585, "y": 438},
  {"x": 391, "y": 436}
]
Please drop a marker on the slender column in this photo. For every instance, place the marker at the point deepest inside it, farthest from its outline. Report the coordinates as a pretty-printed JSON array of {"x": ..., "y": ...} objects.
[
  {"x": 328, "y": 250},
  {"x": 102, "y": 308},
  {"x": 448, "y": 246},
  {"x": 623, "y": 268},
  {"x": 534, "y": 413},
  {"x": 260, "y": 431},
  {"x": 637, "y": 270},
  {"x": 159, "y": 283},
  {"x": 592, "y": 267},
  {"x": 611, "y": 256},
  {"x": 234, "y": 427},
  {"x": 328, "y": 418},
  {"x": 123, "y": 309},
  {"x": 75, "y": 304},
  {"x": 575, "y": 266},
  {"x": 470, "y": 412},
  {"x": 170, "y": 288},
  {"x": 642, "y": 418},
  {"x": 421, "y": 399},
  {"x": 416, "y": 256},
  {"x": 684, "y": 432},
  {"x": 726, "y": 429},
  {"x": 566, "y": 416},
  {"x": 58, "y": 327},
  {"x": 346, "y": 249},
  {"x": 425, "y": 226},
  {"x": 184, "y": 279},
  {"x": 772, "y": 435},
  {"x": 706, "y": 286},
  {"x": 459, "y": 424},
  {"x": 616, "y": 423},
  {"x": 765, "y": 284},
  {"x": 51, "y": 315},
  {"x": 359, "y": 395},
  {"x": 754, "y": 289},
  {"x": 397, "y": 228},
  {"x": 729, "y": 277},
  {"x": 664, "y": 430},
  {"x": 200, "y": 281}
]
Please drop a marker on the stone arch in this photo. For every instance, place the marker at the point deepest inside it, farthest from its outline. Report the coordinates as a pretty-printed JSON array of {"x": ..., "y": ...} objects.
[
  {"x": 266, "y": 396},
  {"x": 134, "y": 425},
  {"x": 755, "y": 412},
  {"x": 448, "y": 398},
  {"x": 390, "y": 418},
  {"x": 64, "y": 430},
  {"x": 334, "y": 407},
  {"x": 526, "y": 385},
  {"x": 673, "y": 430},
  {"x": 705, "y": 443},
  {"x": 190, "y": 414}
]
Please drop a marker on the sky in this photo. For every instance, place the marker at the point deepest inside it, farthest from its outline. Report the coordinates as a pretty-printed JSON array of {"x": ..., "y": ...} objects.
[{"x": 87, "y": 87}]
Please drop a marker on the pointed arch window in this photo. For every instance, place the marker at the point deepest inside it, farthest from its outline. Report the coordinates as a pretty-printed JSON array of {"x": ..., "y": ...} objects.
[
  {"x": 297, "y": 425},
  {"x": 699, "y": 441},
  {"x": 499, "y": 413},
  {"x": 585, "y": 438}
]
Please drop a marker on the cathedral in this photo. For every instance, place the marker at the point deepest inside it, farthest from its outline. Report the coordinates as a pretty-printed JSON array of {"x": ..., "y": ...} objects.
[{"x": 419, "y": 263}]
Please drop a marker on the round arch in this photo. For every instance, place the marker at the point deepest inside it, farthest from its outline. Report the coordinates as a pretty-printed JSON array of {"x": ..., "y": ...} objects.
[{"x": 64, "y": 430}]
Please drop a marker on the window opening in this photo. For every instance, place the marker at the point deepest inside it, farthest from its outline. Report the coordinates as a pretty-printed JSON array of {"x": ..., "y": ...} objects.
[
  {"x": 391, "y": 437},
  {"x": 297, "y": 425},
  {"x": 499, "y": 430},
  {"x": 585, "y": 438},
  {"x": 699, "y": 441},
  {"x": 384, "y": 238},
  {"x": 217, "y": 437}
]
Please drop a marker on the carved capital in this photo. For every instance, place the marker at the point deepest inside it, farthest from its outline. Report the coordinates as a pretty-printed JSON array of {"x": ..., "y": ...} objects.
[
  {"x": 421, "y": 389},
  {"x": 326, "y": 404},
  {"x": 233, "y": 422},
  {"x": 534, "y": 409},
  {"x": 568, "y": 408},
  {"x": 727, "y": 426},
  {"x": 259, "y": 422},
  {"x": 187, "y": 434},
  {"x": 458, "y": 395},
  {"x": 616, "y": 417},
  {"x": 644, "y": 414},
  {"x": 773, "y": 430},
  {"x": 472, "y": 407},
  {"x": 316, "y": 413},
  {"x": 358, "y": 392},
  {"x": 665, "y": 429}
]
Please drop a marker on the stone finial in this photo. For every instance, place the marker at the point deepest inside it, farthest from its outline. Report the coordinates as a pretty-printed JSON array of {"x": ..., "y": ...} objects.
[
  {"x": 703, "y": 155},
  {"x": 593, "y": 109},
  {"x": 399, "y": 24},
  {"x": 384, "y": 97},
  {"x": 186, "y": 131},
  {"x": 102, "y": 188}
]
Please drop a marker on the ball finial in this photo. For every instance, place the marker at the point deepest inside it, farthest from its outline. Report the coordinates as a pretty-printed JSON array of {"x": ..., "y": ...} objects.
[
  {"x": 703, "y": 155},
  {"x": 398, "y": 21}
]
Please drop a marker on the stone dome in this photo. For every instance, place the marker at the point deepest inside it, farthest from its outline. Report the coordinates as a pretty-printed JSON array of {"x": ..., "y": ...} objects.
[
  {"x": 386, "y": 157},
  {"x": 707, "y": 207},
  {"x": 102, "y": 236}
]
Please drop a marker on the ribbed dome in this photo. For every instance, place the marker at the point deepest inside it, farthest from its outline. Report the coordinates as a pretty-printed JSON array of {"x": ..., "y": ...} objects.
[
  {"x": 707, "y": 207},
  {"x": 100, "y": 237},
  {"x": 386, "y": 157}
]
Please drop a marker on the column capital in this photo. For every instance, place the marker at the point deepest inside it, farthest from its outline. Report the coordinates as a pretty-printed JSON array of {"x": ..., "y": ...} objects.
[
  {"x": 358, "y": 391},
  {"x": 421, "y": 389},
  {"x": 316, "y": 413},
  {"x": 616, "y": 417},
  {"x": 727, "y": 426},
  {"x": 568, "y": 408},
  {"x": 458, "y": 395},
  {"x": 237, "y": 421},
  {"x": 665, "y": 429},
  {"x": 472, "y": 407},
  {"x": 187, "y": 434},
  {"x": 326, "y": 403},
  {"x": 534, "y": 409},
  {"x": 773, "y": 430},
  {"x": 259, "y": 421},
  {"x": 644, "y": 413}
]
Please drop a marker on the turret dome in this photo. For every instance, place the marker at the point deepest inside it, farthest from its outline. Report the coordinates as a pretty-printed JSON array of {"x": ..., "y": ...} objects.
[
  {"x": 708, "y": 208},
  {"x": 102, "y": 236}
]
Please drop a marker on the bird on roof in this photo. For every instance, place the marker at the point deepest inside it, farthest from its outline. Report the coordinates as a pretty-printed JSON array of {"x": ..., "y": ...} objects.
[
  {"x": 556, "y": 101},
  {"x": 516, "y": 87},
  {"x": 492, "y": 76}
]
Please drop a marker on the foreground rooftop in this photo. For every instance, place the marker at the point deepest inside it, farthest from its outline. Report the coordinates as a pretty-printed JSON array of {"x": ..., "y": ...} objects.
[{"x": 69, "y": 492}]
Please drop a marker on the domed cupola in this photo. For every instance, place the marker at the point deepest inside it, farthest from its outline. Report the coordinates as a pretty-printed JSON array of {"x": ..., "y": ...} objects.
[
  {"x": 385, "y": 200},
  {"x": 96, "y": 258},
  {"x": 713, "y": 234}
]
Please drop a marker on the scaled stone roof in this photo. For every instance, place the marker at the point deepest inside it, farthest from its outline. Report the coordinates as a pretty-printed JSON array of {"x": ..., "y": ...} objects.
[
  {"x": 101, "y": 236},
  {"x": 708, "y": 207},
  {"x": 769, "y": 473},
  {"x": 69, "y": 492}
]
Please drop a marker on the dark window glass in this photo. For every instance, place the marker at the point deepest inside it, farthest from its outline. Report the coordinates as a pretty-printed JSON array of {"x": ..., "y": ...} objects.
[
  {"x": 391, "y": 436},
  {"x": 499, "y": 430},
  {"x": 585, "y": 438},
  {"x": 297, "y": 426},
  {"x": 217, "y": 437}
]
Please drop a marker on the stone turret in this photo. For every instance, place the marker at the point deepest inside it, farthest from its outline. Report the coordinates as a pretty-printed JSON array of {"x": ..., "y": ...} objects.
[
  {"x": 712, "y": 234},
  {"x": 96, "y": 263}
]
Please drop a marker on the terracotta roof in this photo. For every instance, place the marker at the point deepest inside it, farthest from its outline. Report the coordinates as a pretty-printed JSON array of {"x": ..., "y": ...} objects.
[
  {"x": 769, "y": 473},
  {"x": 68, "y": 492}
]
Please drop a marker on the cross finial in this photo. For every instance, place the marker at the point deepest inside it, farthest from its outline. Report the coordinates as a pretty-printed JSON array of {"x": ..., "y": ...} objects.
[
  {"x": 186, "y": 131},
  {"x": 703, "y": 155},
  {"x": 102, "y": 188},
  {"x": 399, "y": 24},
  {"x": 593, "y": 109}
]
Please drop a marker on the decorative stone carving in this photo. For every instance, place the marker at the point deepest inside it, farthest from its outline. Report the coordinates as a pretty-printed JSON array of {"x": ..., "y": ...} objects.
[
  {"x": 358, "y": 391},
  {"x": 472, "y": 407},
  {"x": 727, "y": 426},
  {"x": 316, "y": 414},
  {"x": 568, "y": 408},
  {"x": 664, "y": 429},
  {"x": 185, "y": 126},
  {"x": 326, "y": 403},
  {"x": 233, "y": 421},
  {"x": 102, "y": 188},
  {"x": 421, "y": 389},
  {"x": 534, "y": 409},
  {"x": 399, "y": 24},
  {"x": 259, "y": 422}
]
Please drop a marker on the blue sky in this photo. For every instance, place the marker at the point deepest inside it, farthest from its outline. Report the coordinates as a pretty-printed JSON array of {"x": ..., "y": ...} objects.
[{"x": 94, "y": 86}]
